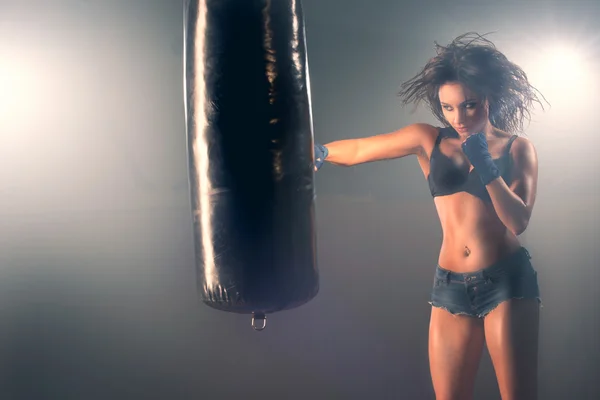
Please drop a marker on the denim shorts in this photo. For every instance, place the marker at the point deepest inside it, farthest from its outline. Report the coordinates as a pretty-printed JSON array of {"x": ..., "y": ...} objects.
[{"x": 477, "y": 293}]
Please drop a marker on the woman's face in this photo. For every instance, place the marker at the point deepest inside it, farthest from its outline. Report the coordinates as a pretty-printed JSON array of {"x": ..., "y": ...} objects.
[{"x": 463, "y": 109}]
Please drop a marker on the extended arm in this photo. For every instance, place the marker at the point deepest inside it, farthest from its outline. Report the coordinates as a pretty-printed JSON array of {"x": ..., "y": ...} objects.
[{"x": 403, "y": 142}]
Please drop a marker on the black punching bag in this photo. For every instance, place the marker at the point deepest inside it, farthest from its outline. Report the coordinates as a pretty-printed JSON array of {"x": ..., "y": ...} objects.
[{"x": 250, "y": 155}]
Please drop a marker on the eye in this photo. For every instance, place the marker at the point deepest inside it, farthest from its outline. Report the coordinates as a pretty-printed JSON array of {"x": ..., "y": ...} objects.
[
  {"x": 447, "y": 108},
  {"x": 470, "y": 105}
]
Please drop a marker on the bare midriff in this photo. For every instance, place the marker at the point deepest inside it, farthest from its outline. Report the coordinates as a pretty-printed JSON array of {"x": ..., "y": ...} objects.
[{"x": 473, "y": 235}]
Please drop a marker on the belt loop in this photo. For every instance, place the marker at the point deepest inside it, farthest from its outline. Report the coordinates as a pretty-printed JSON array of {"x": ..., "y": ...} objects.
[{"x": 447, "y": 277}]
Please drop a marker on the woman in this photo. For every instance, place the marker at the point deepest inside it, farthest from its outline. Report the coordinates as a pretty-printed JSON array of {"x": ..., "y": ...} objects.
[{"x": 483, "y": 180}]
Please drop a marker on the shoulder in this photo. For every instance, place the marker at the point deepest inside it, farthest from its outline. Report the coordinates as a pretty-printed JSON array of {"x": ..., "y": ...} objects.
[
  {"x": 428, "y": 135},
  {"x": 523, "y": 152},
  {"x": 417, "y": 134},
  {"x": 522, "y": 146},
  {"x": 426, "y": 131}
]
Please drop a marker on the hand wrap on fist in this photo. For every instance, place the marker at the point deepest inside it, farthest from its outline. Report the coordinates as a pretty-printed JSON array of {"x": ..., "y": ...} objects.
[
  {"x": 321, "y": 153},
  {"x": 475, "y": 148}
]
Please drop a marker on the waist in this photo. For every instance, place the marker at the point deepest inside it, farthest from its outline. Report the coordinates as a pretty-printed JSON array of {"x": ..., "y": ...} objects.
[
  {"x": 513, "y": 260},
  {"x": 472, "y": 253}
]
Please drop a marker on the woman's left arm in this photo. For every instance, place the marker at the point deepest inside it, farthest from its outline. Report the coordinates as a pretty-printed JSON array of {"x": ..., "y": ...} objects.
[{"x": 514, "y": 203}]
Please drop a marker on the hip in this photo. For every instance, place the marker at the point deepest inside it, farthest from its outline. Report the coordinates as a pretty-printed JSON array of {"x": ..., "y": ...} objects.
[{"x": 477, "y": 293}]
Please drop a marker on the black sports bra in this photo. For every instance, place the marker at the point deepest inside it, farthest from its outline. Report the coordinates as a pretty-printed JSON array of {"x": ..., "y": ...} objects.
[{"x": 446, "y": 178}]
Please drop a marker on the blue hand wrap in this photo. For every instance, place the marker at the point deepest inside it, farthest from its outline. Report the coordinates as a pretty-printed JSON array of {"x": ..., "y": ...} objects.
[
  {"x": 476, "y": 150},
  {"x": 321, "y": 153}
]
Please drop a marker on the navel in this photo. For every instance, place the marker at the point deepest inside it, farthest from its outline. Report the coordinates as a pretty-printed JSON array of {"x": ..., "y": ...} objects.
[{"x": 467, "y": 251}]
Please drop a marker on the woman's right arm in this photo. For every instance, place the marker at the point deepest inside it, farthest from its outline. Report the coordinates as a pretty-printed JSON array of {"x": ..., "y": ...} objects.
[{"x": 403, "y": 142}]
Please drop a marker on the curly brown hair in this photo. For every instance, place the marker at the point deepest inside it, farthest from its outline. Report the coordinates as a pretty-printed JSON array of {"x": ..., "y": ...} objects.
[{"x": 475, "y": 62}]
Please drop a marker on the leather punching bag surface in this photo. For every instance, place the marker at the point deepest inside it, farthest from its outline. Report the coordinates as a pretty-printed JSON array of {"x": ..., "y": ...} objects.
[{"x": 250, "y": 154}]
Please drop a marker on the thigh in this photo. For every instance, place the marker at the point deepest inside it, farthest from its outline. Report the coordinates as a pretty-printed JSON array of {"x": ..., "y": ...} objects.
[
  {"x": 511, "y": 334},
  {"x": 455, "y": 346}
]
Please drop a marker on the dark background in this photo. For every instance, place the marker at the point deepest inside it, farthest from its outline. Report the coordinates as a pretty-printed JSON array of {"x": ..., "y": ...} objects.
[{"x": 97, "y": 282}]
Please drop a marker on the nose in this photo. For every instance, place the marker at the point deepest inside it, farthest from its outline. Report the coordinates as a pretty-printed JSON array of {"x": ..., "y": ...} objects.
[{"x": 459, "y": 117}]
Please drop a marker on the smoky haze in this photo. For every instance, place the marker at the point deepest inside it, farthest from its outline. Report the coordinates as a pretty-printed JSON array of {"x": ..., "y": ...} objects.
[{"x": 97, "y": 282}]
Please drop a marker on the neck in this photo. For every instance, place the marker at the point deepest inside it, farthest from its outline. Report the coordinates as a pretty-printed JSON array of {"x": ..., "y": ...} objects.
[{"x": 489, "y": 131}]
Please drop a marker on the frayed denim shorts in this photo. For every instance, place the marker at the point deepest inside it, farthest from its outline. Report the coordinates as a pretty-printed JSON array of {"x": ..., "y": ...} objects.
[{"x": 477, "y": 293}]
